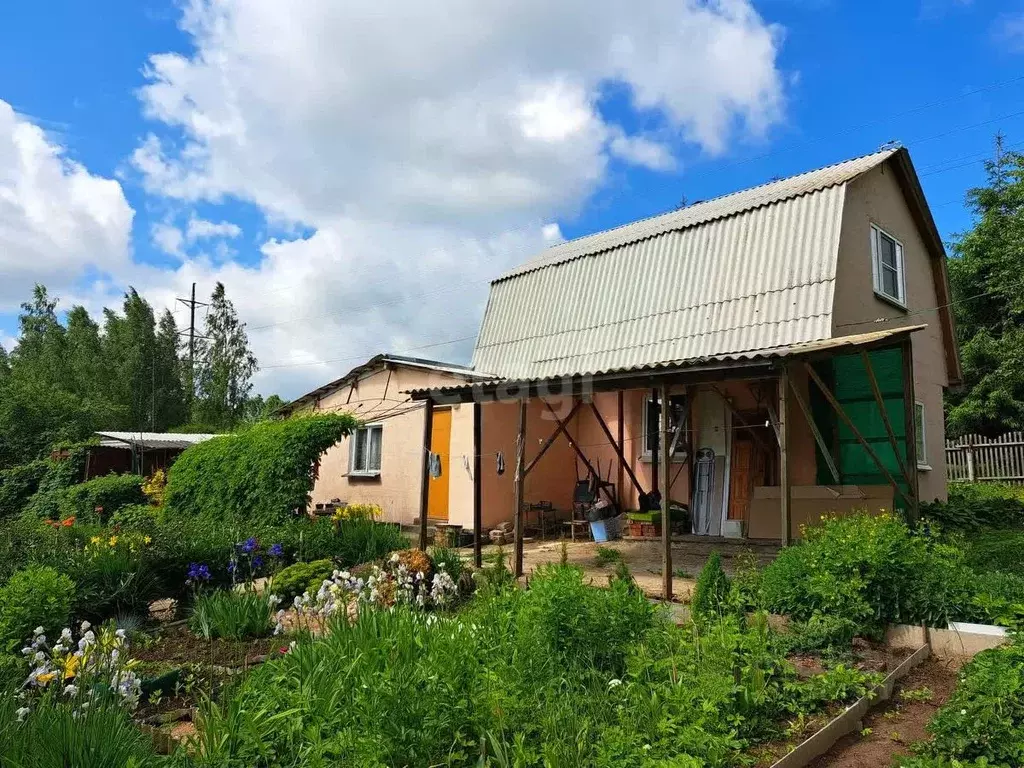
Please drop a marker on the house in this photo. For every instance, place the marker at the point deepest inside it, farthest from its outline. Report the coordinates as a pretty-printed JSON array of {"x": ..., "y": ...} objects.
[
  {"x": 142, "y": 453},
  {"x": 800, "y": 333},
  {"x": 380, "y": 463}
]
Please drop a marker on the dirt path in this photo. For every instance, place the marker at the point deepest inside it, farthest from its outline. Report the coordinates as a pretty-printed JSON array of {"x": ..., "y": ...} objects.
[{"x": 890, "y": 730}]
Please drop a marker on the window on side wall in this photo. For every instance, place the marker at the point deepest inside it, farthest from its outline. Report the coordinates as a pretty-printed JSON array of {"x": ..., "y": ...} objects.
[
  {"x": 652, "y": 422},
  {"x": 364, "y": 451},
  {"x": 887, "y": 267},
  {"x": 922, "y": 444}
]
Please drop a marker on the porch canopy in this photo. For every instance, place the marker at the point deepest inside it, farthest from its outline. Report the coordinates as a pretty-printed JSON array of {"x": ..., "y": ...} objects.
[{"x": 846, "y": 410}]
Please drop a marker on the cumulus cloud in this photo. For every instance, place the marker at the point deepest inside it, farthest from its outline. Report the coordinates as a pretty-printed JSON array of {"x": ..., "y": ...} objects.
[
  {"x": 58, "y": 222},
  {"x": 426, "y": 147},
  {"x": 200, "y": 229}
]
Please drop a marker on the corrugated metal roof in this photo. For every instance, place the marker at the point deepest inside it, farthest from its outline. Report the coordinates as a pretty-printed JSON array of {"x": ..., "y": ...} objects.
[
  {"x": 765, "y": 355},
  {"x": 151, "y": 440},
  {"x": 748, "y": 271}
]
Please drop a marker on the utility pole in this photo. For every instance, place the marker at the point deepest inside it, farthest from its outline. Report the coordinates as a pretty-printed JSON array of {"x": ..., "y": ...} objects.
[{"x": 192, "y": 304}]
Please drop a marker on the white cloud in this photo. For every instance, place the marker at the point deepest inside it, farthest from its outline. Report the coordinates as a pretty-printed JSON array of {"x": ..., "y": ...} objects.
[
  {"x": 199, "y": 229},
  {"x": 428, "y": 147},
  {"x": 58, "y": 222},
  {"x": 168, "y": 238},
  {"x": 1009, "y": 31}
]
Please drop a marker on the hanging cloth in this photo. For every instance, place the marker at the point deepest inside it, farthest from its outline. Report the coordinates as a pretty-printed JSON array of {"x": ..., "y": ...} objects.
[
  {"x": 435, "y": 465},
  {"x": 501, "y": 463}
]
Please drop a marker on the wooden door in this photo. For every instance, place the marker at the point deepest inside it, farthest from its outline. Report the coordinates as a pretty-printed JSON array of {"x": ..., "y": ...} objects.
[
  {"x": 741, "y": 478},
  {"x": 440, "y": 443}
]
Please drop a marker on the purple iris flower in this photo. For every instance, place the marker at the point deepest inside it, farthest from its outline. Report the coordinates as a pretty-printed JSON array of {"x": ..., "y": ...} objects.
[
  {"x": 198, "y": 572},
  {"x": 276, "y": 550},
  {"x": 232, "y": 565},
  {"x": 250, "y": 545},
  {"x": 257, "y": 562}
]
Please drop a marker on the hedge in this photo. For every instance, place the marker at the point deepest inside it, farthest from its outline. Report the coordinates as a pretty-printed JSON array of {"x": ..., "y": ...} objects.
[
  {"x": 262, "y": 475},
  {"x": 18, "y": 485}
]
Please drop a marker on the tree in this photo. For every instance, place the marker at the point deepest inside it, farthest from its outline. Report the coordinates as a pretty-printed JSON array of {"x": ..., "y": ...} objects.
[
  {"x": 987, "y": 278},
  {"x": 226, "y": 365},
  {"x": 129, "y": 343},
  {"x": 170, "y": 386}
]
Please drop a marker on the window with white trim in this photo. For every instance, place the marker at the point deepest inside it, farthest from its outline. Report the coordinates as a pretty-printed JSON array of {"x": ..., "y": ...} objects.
[
  {"x": 364, "y": 450},
  {"x": 887, "y": 266},
  {"x": 652, "y": 422},
  {"x": 922, "y": 444}
]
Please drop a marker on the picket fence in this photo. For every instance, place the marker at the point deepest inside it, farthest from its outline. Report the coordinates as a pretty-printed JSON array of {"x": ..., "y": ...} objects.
[{"x": 973, "y": 458}]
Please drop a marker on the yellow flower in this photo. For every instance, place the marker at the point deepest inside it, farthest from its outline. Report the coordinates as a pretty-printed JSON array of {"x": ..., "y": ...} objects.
[
  {"x": 71, "y": 667},
  {"x": 95, "y": 540},
  {"x": 46, "y": 678},
  {"x": 113, "y": 541},
  {"x": 147, "y": 540}
]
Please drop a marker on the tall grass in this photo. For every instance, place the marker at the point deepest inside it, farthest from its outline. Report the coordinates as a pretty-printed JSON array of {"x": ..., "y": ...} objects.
[{"x": 232, "y": 614}]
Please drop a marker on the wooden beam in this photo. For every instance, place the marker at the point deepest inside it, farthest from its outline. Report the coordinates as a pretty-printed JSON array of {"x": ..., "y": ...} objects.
[
  {"x": 562, "y": 426},
  {"x": 657, "y": 443},
  {"x": 666, "y": 522},
  {"x": 856, "y": 433},
  {"x": 786, "y": 491},
  {"x": 621, "y": 442},
  {"x": 518, "y": 495},
  {"x": 825, "y": 452},
  {"x": 428, "y": 428},
  {"x": 739, "y": 417},
  {"x": 576, "y": 448},
  {"x": 910, "y": 419},
  {"x": 477, "y": 485},
  {"x": 880, "y": 401},
  {"x": 623, "y": 464}
]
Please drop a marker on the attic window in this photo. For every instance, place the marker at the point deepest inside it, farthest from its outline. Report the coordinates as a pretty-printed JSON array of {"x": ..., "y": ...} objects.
[{"x": 887, "y": 266}]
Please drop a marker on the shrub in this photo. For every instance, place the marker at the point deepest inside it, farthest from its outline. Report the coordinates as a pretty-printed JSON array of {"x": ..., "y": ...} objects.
[
  {"x": 998, "y": 599},
  {"x": 100, "y": 498},
  {"x": 233, "y": 614},
  {"x": 984, "y": 718},
  {"x": 711, "y": 593},
  {"x": 301, "y": 577},
  {"x": 113, "y": 576},
  {"x": 37, "y": 596},
  {"x": 872, "y": 570},
  {"x": 447, "y": 560},
  {"x": 136, "y": 517},
  {"x": 263, "y": 475},
  {"x": 978, "y": 505},
  {"x": 18, "y": 485},
  {"x": 363, "y": 541}
]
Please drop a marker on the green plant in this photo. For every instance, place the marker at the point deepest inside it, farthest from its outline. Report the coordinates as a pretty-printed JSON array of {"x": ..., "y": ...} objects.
[
  {"x": 235, "y": 614},
  {"x": 100, "y": 498},
  {"x": 363, "y": 541},
  {"x": 984, "y": 718},
  {"x": 18, "y": 484},
  {"x": 924, "y": 693},
  {"x": 299, "y": 578},
  {"x": 447, "y": 560},
  {"x": 263, "y": 475},
  {"x": 971, "y": 506},
  {"x": 13, "y": 670},
  {"x": 606, "y": 556},
  {"x": 822, "y": 633},
  {"x": 711, "y": 593},
  {"x": 37, "y": 596},
  {"x": 136, "y": 517}
]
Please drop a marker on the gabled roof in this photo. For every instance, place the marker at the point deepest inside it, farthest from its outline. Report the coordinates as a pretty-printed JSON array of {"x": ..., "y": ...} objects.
[
  {"x": 726, "y": 278},
  {"x": 381, "y": 361}
]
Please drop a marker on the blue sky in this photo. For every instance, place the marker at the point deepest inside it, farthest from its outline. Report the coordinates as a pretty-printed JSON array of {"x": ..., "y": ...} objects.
[{"x": 354, "y": 202}]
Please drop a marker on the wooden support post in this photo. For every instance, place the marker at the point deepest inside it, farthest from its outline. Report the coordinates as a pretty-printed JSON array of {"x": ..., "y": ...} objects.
[
  {"x": 477, "y": 482},
  {"x": 666, "y": 521},
  {"x": 910, "y": 420},
  {"x": 880, "y": 401},
  {"x": 562, "y": 426},
  {"x": 520, "y": 477},
  {"x": 428, "y": 429},
  {"x": 572, "y": 444},
  {"x": 657, "y": 442},
  {"x": 621, "y": 441},
  {"x": 856, "y": 432},
  {"x": 786, "y": 491},
  {"x": 825, "y": 452},
  {"x": 623, "y": 464}
]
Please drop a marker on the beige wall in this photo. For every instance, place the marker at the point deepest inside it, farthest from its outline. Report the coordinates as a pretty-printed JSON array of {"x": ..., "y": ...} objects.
[
  {"x": 876, "y": 198},
  {"x": 397, "y": 490}
]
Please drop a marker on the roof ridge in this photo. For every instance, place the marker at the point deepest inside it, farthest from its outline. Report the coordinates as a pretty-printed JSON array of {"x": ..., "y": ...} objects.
[{"x": 536, "y": 262}]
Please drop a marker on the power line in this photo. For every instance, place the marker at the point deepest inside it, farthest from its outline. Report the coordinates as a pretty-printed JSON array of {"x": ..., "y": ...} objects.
[{"x": 364, "y": 356}]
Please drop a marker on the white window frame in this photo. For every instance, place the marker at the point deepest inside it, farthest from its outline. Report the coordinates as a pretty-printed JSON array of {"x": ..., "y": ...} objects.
[
  {"x": 919, "y": 426},
  {"x": 645, "y": 452},
  {"x": 354, "y": 471},
  {"x": 877, "y": 267}
]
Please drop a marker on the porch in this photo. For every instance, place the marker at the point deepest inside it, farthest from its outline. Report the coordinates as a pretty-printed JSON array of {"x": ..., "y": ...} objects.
[{"x": 748, "y": 448}]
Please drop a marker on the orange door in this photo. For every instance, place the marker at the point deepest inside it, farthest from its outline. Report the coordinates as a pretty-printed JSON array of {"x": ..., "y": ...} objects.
[
  {"x": 740, "y": 473},
  {"x": 440, "y": 443}
]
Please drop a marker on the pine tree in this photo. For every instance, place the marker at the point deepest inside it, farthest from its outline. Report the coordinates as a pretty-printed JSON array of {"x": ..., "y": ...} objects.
[
  {"x": 129, "y": 343},
  {"x": 987, "y": 277},
  {"x": 227, "y": 365}
]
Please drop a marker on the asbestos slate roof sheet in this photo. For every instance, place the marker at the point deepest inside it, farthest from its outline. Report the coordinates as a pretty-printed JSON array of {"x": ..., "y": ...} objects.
[{"x": 749, "y": 271}]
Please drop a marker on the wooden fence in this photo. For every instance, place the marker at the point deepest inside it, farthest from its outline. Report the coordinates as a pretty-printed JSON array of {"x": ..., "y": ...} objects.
[{"x": 974, "y": 458}]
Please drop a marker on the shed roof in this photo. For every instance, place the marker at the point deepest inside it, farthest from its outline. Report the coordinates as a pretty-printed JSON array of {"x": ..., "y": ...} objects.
[
  {"x": 750, "y": 271},
  {"x": 151, "y": 440}
]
